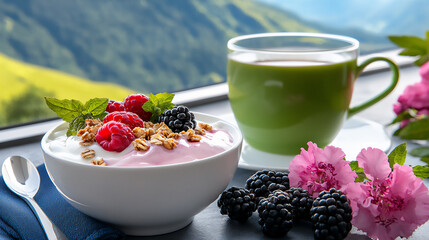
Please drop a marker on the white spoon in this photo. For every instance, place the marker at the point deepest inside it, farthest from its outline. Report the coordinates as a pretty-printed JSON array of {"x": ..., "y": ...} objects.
[{"x": 22, "y": 178}]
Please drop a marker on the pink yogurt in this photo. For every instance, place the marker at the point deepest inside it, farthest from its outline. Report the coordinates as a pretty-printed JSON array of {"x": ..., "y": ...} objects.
[{"x": 214, "y": 142}]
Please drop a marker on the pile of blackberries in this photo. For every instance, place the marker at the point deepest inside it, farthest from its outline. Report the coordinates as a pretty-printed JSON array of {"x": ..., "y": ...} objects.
[{"x": 279, "y": 206}]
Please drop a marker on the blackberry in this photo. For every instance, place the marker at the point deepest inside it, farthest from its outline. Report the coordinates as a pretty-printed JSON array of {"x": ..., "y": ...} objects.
[
  {"x": 276, "y": 214},
  {"x": 178, "y": 119},
  {"x": 302, "y": 201},
  {"x": 237, "y": 203},
  {"x": 263, "y": 182},
  {"x": 331, "y": 215}
]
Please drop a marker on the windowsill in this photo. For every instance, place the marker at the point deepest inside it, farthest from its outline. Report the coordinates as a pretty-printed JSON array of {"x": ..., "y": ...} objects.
[{"x": 192, "y": 98}]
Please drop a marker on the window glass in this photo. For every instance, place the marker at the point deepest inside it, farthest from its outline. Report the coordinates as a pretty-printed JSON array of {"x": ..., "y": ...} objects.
[{"x": 107, "y": 48}]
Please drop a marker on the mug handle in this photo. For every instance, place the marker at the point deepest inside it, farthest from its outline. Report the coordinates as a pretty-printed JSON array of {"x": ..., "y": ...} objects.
[{"x": 395, "y": 77}]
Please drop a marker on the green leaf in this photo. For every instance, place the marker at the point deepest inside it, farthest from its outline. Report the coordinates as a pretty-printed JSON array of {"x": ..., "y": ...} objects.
[
  {"x": 354, "y": 165},
  {"x": 420, "y": 152},
  {"x": 397, "y": 132},
  {"x": 96, "y": 106},
  {"x": 75, "y": 113},
  {"x": 411, "y": 113},
  {"x": 413, "y": 46},
  {"x": 421, "y": 171},
  {"x": 100, "y": 116},
  {"x": 427, "y": 41},
  {"x": 361, "y": 177},
  {"x": 157, "y": 104},
  {"x": 416, "y": 130},
  {"x": 425, "y": 159},
  {"x": 412, "y": 52},
  {"x": 398, "y": 155},
  {"x": 66, "y": 109},
  {"x": 77, "y": 124},
  {"x": 359, "y": 171},
  {"x": 422, "y": 60},
  {"x": 410, "y": 42}
]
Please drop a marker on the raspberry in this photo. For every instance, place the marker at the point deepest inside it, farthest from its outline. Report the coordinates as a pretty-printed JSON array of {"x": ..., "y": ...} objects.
[
  {"x": 113, "y": 106},
  {"x": 114, "y": 136},
  {"x": 130, "y": 119},
  {"x": 133, "y": 103}
]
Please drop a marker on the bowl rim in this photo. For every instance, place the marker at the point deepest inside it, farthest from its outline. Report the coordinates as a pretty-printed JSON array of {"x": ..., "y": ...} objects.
[{"x": 236, "y": 143}]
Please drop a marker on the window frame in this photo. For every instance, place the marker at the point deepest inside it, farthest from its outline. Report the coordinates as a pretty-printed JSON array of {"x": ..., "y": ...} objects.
[{"x": 33, "y": 131}]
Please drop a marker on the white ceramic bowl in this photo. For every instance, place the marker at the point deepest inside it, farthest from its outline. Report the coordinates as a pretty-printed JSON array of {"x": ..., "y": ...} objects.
[{"x": 145, "y": 200}]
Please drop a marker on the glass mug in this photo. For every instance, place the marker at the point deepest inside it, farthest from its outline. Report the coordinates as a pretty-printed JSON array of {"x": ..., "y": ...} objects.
[{"x": 287, "y": 89}]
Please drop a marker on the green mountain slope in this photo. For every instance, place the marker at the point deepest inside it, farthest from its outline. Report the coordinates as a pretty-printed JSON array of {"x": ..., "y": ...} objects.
[
  {"x": 146, "y": 45},
  {"x": 20, "y": 75},
  {"x": 23, "y": 86}
]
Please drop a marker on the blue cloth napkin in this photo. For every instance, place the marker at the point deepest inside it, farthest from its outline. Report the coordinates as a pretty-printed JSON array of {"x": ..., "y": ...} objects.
[{"x": 17, "y": 221}]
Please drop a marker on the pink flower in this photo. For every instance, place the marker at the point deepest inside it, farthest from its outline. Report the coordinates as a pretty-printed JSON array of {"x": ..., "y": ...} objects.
[
  {"x": 415, "y": 96},
  {"x": 392, "y": 203},
  {"x": 424, "y": 72},
  {"x": 319, "y": 169}
]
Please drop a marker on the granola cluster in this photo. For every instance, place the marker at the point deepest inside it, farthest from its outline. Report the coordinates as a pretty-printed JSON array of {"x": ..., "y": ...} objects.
[
  {"x": 157, "y": 134},
  {"x": 87, "y": 136},
  {"x": 160, "y": 134},
  {"x": 90, "y": 154},
  {"x": 89, "y": 132}
]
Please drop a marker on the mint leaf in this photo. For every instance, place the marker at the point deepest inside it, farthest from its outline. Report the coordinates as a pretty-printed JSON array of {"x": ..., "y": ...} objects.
[
  {"x": 398, "y": 155},
  {"x": 420, "y": 152},
  {"x": 77, "y": 124},
  {"x": 66, "y": 109},
  {"x": 75, "y": 113},
  {"x": 100, "y": 116},
  {"x": 421, "y": 171},
  {"x": 157, "y": 104},
  {"x": 96, "y": 106},
  {"x": 359, "y": 171},
  {"x": 416, "y": 130}
]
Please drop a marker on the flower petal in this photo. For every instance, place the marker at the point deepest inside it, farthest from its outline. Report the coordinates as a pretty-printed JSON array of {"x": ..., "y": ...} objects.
[
  {"x": 424, "y": 72},
  {"x": 374, "y": 163},
  {"x": 401, "y": 229},
  {"x": 298, "y": 169},
  {"x": 356, "y": 193},
  {"x": 365, "y": 220},
  {"x": 407, "y": 186}
]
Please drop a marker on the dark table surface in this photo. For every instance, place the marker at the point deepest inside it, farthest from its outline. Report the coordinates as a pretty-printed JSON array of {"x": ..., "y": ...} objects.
[{"x": 210, "y": 224}]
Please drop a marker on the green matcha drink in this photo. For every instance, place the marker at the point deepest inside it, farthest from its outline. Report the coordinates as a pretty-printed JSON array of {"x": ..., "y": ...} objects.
[
  {"x": 290, "y": 102},
  {"x": 287, "y": 89}
]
